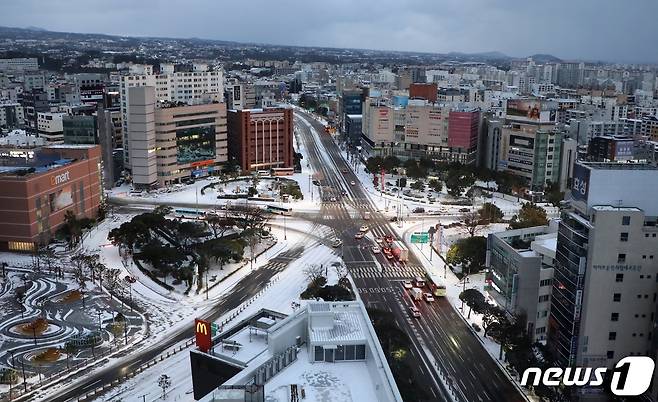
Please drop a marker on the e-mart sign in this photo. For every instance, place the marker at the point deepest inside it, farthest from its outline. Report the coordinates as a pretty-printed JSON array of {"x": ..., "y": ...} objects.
[
  {"x": 60, "y": 178},
  {"x": 202, "y": 332}
]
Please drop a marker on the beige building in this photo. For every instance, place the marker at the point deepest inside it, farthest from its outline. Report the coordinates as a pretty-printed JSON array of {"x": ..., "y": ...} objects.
[
  {"x": 171, "y": 143},
  {"x": 604, "y": 288}
]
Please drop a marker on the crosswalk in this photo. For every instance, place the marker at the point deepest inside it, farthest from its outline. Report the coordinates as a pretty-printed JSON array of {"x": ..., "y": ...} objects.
[
  {"x": 339, "y": 205},
  {"x": 396, "y": 272}
]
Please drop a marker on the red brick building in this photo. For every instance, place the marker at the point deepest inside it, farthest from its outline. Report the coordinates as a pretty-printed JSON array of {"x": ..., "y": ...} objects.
[
  {"x": 37, "y": 191},
  {"x": 424, "y": 91},
  {"x": 261, "y": 139},
  {"x": 463, "y": 127}
]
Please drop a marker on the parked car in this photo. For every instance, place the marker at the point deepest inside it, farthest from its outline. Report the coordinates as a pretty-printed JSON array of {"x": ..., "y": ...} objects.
[
  {"x": 353, "y": 183},
  {"x": 317, "y": 183},
  {"x": 363, "y": 228},
  {"x": 336, "y": 243},
  {"x": 419, "y": 210},
  {"x": 343, "y": 170},
  {"x": 464, "y": 209},
  {"x": 393, "y": 219},
  {"x": 414, "y": 312}
]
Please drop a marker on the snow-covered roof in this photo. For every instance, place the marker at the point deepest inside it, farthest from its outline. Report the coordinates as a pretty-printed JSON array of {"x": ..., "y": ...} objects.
[{"x": 347, "y": 327}]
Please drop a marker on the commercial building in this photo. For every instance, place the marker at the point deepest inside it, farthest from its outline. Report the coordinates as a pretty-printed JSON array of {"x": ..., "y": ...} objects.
[
  {"x": 610, "y": 149},
  {"x": 520, "y": 273},
  {"x": 79, "y": 129},
  {"x": 261, "y": 139},
  {"x": 253, "y": 359},
  {"x": 171, "y": 142},
  {"x": 353, "y": 129},
  {"x": 51, "y": 127},
  {"x": 39, "y": 187},
  {"x": 195, "y": 85},
  {"x": 603, "y": 300},
  {"x": 33, "y": 102},
  {"x": 463, "y": 134}
]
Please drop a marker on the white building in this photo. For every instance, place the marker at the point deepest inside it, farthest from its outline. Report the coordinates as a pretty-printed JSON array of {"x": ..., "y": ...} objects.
[
  {"x": 19, "y": 64},
  {"x": 50, "y": 126},
  {"x": 268, "y": 352}
]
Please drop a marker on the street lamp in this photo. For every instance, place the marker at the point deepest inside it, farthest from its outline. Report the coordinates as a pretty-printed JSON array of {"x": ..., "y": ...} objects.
[{"x": 285, "y": 232}]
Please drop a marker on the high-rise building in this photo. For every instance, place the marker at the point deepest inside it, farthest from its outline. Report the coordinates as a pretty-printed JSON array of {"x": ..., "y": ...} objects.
[
  {"x": 604, "y": 289},
  {"x": 171, "y": 142},
  {"x": 463, "y": 133},
  {"x": 33, "y": 102},
  {"x": 261, "y": 139},
  {"x": 187, "y": 85}
]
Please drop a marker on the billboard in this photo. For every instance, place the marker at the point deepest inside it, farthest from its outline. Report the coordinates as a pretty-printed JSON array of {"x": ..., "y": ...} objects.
[
  {"x": 531, "y": 110},
  {"x": 580, "y": 186},
  {"x": 202, "y": 333},
  {"x": 195, "y": 144}
]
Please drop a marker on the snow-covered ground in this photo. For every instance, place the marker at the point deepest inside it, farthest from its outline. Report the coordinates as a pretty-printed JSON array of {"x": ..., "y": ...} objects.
[{"x": 279, "y": 297}]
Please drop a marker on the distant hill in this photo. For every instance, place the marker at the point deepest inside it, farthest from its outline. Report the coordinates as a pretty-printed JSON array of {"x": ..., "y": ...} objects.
[{"x": 545, "y": 58}]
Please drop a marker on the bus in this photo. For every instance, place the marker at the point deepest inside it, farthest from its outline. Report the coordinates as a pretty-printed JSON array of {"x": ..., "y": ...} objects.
[
  {"x": 275, "y": 209},
  {"x": 436, "y": 284},
  {"x": 190, "y": 213}
]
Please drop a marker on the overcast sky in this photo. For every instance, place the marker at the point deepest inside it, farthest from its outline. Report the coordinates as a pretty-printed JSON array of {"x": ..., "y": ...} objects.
[{"x": 611, "y": 30}]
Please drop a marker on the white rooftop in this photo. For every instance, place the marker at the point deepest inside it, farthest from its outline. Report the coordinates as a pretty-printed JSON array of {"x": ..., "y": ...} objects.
[{"x": 346, "y": 328}]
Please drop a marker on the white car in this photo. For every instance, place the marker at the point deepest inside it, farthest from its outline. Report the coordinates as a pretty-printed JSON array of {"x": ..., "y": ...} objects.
[
  {"x": 359, "y": 235},
  {"x": 380, "y": 240},
  {"x": 413, "y": 310},
  {"x": 376, "y": 249},
  {"x": 407, "y": 284},
  {"x": 336, "y": 243},
  {"x": 364, "y": 228},
  {"x": 353, "y": 183},
  {"x": 428, "y": 297}
]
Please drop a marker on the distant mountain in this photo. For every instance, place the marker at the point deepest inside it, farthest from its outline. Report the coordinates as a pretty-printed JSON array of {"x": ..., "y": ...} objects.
[
  {"x": 38, "y": 29},
  {"x": 481, "y": 55},
  {"x": 545, "y": 58}
]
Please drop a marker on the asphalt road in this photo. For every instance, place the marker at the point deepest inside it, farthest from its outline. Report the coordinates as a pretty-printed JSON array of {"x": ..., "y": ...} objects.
[{"x": 440, "y": 337}]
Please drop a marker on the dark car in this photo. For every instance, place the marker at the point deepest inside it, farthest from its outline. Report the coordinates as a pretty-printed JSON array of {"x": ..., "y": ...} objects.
[{"x": 418, "y": 210}]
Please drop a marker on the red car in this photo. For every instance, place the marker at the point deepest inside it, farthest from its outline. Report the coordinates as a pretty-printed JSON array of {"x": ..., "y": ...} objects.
[{"x": 388, "y": 238}]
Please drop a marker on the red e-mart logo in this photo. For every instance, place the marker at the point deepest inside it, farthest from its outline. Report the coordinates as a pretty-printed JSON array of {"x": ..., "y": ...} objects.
[{"x": 60, "y": 178}]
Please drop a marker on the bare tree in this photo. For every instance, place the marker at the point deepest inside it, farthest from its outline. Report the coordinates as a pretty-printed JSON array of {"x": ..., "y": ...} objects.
[
  {"x": 313, "y": 272},
  {"x": 471, "y": 221},
  {"x": 219, "y": 225},
  {"x": 80, "y": 269},
  {"x": 341, "y": 271},
  {"x": 112, "y": 279}
]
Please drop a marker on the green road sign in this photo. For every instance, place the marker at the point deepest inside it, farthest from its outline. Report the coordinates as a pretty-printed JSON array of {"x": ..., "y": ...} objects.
[
  {"x": 214, "y": 328},
  {"x": 420, "y": 237}
]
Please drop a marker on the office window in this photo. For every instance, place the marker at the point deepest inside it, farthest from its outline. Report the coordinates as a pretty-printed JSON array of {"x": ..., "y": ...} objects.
[
  {"x": 340, "y": 353},
  {"x": 544, "y": 298},
  {"x": 623, "y": 236},
  {"x": 621, "y": 258},
  {"x": 612, "y": 336},
  {"x": 614, "y": 317},
  {"x": 545, "y": 282},
  {"x": 619, "y": 278},
  {"x": 625, "y": 220}
]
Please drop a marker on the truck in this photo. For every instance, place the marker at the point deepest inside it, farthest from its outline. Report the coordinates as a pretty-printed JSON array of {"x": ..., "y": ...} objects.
[
  {"x": 416, "y": 294},
  {"x": 400, "y": 251},
  {"x": 366, "y": 216}
]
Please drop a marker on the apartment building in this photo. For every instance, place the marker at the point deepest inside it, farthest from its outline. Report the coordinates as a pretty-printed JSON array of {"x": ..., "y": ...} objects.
[{"x": 51, "y": 127}]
